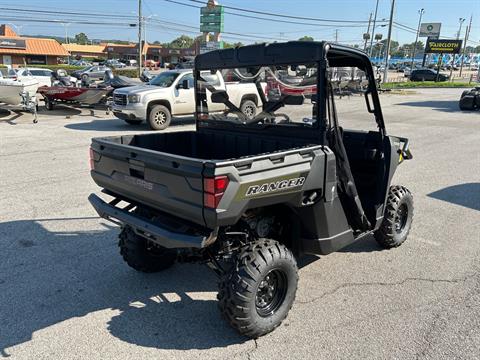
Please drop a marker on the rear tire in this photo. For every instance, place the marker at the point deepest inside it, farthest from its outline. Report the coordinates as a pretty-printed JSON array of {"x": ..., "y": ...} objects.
[
  {"x": 249, "y": 109},
  {"x": 397, "y": 219},
  {"x": 256, "y": 295},
  {"x": 133, "y": 122},
  {"x": 159, "y": 117},
  {"x": 142, "y": 255}
]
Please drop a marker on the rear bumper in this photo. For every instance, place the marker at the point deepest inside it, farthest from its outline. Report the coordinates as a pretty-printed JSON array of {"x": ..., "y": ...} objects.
[{"x": 153, "y": 231}]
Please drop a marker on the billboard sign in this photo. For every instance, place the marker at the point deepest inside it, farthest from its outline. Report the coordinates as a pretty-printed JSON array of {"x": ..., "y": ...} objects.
[
  {"x": 210, "y": 45},
  {"x": 443, "y": 46},
  {"x": 431, "y": 30}
]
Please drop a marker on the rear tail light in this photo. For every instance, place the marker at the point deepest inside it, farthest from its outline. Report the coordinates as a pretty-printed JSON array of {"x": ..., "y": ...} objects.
[
  {"x": 92, "y": 159},
  {"x": 213, "y": 190}
]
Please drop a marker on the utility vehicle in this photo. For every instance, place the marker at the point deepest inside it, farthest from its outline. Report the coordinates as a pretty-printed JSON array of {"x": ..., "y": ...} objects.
[{"x": 250, "y": 196}]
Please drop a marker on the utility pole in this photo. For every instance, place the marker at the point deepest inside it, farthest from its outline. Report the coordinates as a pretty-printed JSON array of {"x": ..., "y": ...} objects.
[
  {"x": 421, "y": 11},
  {"x": 140, "y": 20},
  {"x": 336, "y": 36},
  {"x": 389, "y": 39},
  {"x": 373, "y": 29},
  {"x": 461, "y": 21},
  {"x": 368, "y": 32}
]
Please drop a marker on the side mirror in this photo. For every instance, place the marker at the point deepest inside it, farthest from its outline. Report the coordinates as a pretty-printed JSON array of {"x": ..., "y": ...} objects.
[
  {"x": 183, "y": 85},
  {"x": 219, "y": 97}
]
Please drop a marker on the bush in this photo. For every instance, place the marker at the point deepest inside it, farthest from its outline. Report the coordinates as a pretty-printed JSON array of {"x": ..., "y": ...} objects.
[
  {"x": 131, "y": 73},
  {"x": 424, "y": 84},
  {"x": 68, "y": 68}
]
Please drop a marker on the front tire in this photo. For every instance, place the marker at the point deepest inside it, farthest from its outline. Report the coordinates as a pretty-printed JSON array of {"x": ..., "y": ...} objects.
[
  {"x": 142, "y": 255},
  {"x": 256, "y": 295},
  {"x": 397, "y": 219},
  {"x": 159, "y": 117}
]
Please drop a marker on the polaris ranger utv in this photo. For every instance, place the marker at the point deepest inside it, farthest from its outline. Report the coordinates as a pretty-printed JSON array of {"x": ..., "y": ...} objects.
[{"x": 250, "y": 195}]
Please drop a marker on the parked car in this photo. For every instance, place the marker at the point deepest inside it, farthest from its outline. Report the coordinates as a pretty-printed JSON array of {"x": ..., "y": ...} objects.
[
  {"x": 171, "y": 94},
  {"x": 114, "y": 63},
  {"x": 91, "y": 72},
  {"x": 80, "y": 63},
  {"x": 427, "y": 75},
  {"x": 43, "y": 76},
  {"x": 150, "y": 63}
]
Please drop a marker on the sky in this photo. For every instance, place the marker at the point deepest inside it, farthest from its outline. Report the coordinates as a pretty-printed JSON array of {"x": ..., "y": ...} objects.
[{"x": 169, "y": 20}]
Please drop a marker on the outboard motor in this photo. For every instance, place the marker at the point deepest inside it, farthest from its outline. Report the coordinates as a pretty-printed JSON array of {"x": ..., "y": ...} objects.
[
  {"x": 146, "y": 76},
  {"x": 61, "y": 78}
]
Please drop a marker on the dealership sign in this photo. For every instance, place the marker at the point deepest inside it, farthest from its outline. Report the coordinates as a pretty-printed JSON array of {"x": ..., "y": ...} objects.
[
  {"x": 431, "y": 30},
  {"x": 211, "y": 18},
  {"x": 439, "y": 46},
  {"x": 12, "y": 43}
]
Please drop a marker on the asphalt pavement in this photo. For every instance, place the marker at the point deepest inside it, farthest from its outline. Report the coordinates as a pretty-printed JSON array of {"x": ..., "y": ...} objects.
[{"x": 65, "y": 292}]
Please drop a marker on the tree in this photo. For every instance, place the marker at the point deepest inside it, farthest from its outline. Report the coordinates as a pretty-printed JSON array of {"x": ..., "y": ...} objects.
[
  {"x": 81, "y": 38},
  {"x": 227, "y": 45},
  {"x": 306, "y": 38},
  {"x": 182, "y": 42}
]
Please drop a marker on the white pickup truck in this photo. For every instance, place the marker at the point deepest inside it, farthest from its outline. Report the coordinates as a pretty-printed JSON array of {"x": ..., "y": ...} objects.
[{"x": 171, "y": 93}]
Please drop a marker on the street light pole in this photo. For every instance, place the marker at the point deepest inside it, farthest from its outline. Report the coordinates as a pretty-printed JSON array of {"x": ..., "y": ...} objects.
[
  {"x": 373, "y": 29},
  {"x": 421, "y": 12},
  {"x": 368, "y": 32},
  {"x": 467, "y": 35},
  {"x": 140, "y": 19},
  {"x": 389, "y": 40}
]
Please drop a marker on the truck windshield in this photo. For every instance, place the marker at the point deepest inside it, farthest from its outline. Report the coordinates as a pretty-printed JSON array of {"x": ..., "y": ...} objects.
[
  {"x": 272, "y": 95},
  {"x": 165, "y": 79}
]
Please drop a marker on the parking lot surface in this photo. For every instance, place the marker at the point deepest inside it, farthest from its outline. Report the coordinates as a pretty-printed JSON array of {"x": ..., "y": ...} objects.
[{"x": 65, "y": 292}]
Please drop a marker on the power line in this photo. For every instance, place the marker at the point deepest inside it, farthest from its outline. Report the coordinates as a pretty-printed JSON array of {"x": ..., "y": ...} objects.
[
  {"x": 283, "y": 15},
  {"x": 50, "y": 12},
  {"x": 267, "y": 19}
]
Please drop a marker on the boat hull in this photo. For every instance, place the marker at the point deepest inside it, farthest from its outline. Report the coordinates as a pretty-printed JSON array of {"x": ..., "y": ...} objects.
[
  {"x": 89, "y": 96},
  {"x": 10, "y": 90}
]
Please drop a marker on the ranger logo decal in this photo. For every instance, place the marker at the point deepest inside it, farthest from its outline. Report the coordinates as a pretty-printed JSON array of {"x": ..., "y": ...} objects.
[{"x": 275, "y": 186}]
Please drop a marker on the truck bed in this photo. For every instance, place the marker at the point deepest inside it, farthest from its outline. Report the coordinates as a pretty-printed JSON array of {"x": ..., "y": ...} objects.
[{"x": 166, "y": 171}]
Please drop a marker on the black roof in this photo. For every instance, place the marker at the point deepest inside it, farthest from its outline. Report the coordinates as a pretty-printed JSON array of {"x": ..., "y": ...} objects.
[{"x": 281, "y": 53}]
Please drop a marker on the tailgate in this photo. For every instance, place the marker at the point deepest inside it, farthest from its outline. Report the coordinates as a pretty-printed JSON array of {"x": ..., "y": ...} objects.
[{"x": 170, "y": 183}]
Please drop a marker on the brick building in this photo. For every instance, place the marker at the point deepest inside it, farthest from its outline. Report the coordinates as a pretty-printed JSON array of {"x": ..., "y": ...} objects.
[{"x": 18, "y": 50}]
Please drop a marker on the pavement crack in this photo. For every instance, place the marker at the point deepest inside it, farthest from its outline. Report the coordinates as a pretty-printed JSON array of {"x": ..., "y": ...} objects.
[{"x": 379, "y": 283}]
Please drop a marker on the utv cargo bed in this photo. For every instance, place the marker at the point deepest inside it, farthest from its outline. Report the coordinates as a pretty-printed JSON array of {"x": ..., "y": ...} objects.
[{"x": 166, "y": 171}]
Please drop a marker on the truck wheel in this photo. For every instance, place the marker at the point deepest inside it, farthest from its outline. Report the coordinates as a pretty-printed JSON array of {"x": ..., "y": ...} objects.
[
  {"x": 143, "y": 256},
  {"x": 397, "y": 219},
  {"x": 249, "y": 109},
  {"x": 256, "y": 295},
  {"x": 133, "y": 122},
  {"x": 159, "y": 117}
]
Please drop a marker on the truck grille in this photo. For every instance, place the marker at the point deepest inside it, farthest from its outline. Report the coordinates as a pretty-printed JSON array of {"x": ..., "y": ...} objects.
[{"x": 119, "y": 99}]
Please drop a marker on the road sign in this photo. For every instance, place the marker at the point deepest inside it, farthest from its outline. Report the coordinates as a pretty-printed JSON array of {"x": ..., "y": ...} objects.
[
  {"x": 441, "y": 46},
  {"x": 431, "y": 30}
]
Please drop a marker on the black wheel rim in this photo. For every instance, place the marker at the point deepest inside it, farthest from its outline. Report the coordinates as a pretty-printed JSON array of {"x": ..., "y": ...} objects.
[
  {"x": 401, "y": 218},
  {"x": 271, "y": 293}
]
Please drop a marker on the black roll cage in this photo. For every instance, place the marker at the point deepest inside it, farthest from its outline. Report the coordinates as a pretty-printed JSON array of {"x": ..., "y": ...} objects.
[{"x": 324, "y": 54}]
